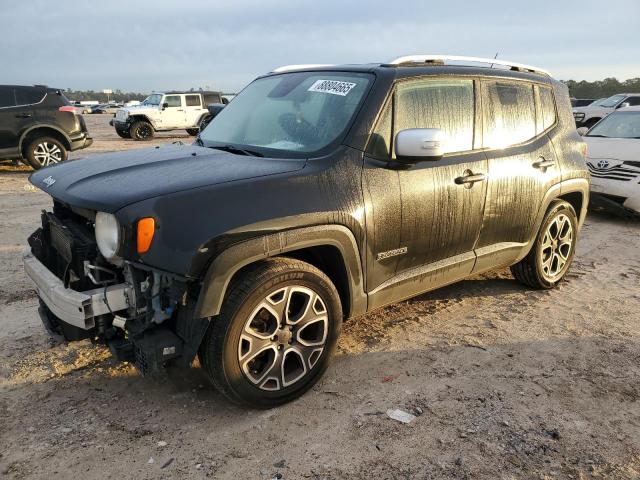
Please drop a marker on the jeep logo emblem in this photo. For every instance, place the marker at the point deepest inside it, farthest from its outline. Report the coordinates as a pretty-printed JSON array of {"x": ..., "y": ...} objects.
[
  {"x": 603, "y": 164},
  {"x": 49, "y": 181}
]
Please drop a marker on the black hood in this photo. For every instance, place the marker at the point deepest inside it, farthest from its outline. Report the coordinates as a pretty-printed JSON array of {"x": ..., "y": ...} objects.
[{"x": 111, "y": 181}]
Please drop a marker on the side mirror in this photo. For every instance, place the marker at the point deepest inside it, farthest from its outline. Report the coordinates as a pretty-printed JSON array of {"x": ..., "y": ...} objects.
[
  {"x": 418, "y": 144},
  {"x": 624, "y": 104},
  {"x": 582, "y": 130},
  {"x": 165, "y": 105}
]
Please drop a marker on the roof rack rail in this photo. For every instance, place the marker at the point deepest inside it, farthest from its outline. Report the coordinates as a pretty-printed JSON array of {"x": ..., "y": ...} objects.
[
  {"x": 441, "y": 59},
  {"x": 288, "y": 68}
]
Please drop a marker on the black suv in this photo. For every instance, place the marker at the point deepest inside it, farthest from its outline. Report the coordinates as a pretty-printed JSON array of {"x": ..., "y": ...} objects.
[
  {"x": 38, "y": 125},
  {"x": 317, "y": 194}
]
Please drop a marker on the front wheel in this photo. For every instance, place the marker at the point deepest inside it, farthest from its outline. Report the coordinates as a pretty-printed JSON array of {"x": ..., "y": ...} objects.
[
  {"x": 275, "y": 334},
  {"x": 45, "y": 151},
  {"x": 123, "y": 133},
  {"x": 552, "y": 252},
  {"x": 141, "y": 130}
]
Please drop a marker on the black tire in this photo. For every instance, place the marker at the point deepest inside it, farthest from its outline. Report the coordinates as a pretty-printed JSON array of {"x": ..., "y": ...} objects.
[
  {"x": 123, "y": 133},
  {"x": 531, "y": 269},
  {"x": 204, "y": 121},
  {"x": 141, "y": 130},
  {"x": 222, "y": 348},
  {"x": 44, "y": 151}
]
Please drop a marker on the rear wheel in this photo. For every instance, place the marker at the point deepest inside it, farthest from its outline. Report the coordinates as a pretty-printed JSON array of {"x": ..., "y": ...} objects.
[
  {"x": 552, "y": 252},
  {"x": 141, "y": 130},
  {"x": 275, "y": 334},
  {"x": 201, "y": 126},
  {"x": 45, "y": 151}
]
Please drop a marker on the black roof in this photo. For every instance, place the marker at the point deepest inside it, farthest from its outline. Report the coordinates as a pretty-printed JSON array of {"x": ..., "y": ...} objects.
[{"x": 417, "y": 70}]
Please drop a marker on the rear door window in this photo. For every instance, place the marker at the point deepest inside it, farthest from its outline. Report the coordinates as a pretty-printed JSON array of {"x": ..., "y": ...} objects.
[
  {"x": 509, "y": 113},
  {"x": 548, "y": 107},
  {"x": 28, "y": 96},
  {"x": 192, "y": 100},
  {"x": 438, "y": 103}
]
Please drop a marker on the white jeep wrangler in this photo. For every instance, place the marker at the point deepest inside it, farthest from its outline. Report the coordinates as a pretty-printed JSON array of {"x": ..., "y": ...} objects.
[{"x": 161, "y": 112}]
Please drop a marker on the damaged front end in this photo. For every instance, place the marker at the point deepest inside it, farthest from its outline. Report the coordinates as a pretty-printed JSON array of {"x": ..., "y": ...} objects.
[{"x": 143, "y": 314}]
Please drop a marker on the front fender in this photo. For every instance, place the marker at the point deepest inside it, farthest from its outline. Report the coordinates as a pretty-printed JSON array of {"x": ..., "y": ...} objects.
[{"x": 231, "y": 260}]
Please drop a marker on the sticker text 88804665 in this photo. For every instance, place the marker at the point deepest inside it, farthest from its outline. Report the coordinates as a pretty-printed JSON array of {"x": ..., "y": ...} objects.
[{"x": 333, "y": 87}]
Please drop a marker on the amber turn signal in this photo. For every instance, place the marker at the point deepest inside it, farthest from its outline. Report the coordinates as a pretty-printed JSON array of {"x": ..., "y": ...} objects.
[{"x": 146, "y": 230}]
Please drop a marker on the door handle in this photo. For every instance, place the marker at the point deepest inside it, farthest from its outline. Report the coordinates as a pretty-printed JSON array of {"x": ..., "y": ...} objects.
[
  {"x": 542, "y": 163},
  {"x": 469, "y": 178},
  {"x": 23, "y": 115}
]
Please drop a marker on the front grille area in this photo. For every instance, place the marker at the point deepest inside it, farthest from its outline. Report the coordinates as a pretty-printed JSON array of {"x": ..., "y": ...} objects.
[{"x": 63, "y": 243}]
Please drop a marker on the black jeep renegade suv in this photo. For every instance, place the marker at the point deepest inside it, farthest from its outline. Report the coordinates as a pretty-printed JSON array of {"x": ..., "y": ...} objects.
[
  {"x": 38, "y": 125},
  {"x": 318, "y": 194}
]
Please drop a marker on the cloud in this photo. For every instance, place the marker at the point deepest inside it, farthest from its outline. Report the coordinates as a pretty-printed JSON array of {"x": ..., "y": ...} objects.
[{"x": 147, "y": 45}]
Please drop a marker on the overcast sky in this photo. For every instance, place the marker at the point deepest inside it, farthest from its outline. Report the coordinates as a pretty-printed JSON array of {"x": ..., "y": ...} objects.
[{"x": 143, "y": 45}]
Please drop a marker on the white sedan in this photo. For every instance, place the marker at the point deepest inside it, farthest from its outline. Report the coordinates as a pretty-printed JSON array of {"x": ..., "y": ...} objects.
[{"x": 614, "y": 158}]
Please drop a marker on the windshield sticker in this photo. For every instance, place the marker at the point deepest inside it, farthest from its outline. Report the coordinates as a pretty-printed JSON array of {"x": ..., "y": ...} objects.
[{"x": 333, "y": 87}]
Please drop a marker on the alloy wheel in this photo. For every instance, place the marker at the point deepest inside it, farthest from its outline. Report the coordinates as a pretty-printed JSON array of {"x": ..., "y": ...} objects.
[
  {"x": 47, "y": 153},
  {"x": 283, "y": 338},
  {"x": 557, "y": 244},
  {"x": 144, "y": 131}
]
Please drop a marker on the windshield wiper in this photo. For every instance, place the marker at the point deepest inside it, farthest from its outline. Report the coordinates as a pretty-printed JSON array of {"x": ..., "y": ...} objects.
[
  {"x": 199, "y": 141},
  {"x": 238, "y": 151},
  {"x": 601, "y": 136}
]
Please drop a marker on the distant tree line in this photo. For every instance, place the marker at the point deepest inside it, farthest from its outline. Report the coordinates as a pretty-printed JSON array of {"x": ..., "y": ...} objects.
[
  {"x": 117, "y": 95},
  {"x": 602, "y": 88}
]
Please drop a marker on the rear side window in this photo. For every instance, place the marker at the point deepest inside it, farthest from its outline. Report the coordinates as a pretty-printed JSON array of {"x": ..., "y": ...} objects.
[
  {"x": 547, "y": 106},
  {"x": 212, "y": 98},
  {"x": 28, "y": 96},
  {"x": 7, "y": 98},
  {"x": 445, "y": 104},
  {"x": 192, "y": 100},
  {"x": 173, "y": 101},
  {"x": 509, "y": 114}
]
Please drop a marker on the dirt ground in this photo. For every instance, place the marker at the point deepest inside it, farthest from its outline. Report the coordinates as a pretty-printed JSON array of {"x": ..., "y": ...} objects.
[{"x": 505, "y": 383}]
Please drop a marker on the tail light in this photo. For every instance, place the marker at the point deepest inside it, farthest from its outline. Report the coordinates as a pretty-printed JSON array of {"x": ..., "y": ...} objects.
[{"x": 67, "y": 108}]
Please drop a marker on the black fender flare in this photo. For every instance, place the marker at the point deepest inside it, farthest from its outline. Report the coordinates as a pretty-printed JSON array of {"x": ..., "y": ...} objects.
[
  {"x": 43, "y": 125},
  {"x": 229, "y": 262},
  {"x": 136, "y": 118}
]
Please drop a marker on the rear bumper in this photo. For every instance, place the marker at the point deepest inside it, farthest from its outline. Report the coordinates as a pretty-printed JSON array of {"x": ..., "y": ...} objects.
[
  {"x": 78, "y": 309},
  {"x": 81, "y": 142}
]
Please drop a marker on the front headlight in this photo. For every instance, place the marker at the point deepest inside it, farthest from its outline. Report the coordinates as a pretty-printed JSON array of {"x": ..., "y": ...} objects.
[{"x": 107, "y": 234}]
